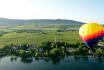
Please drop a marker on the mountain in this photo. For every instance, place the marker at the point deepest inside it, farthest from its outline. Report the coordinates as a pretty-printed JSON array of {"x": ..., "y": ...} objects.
[{"x": 5, "y": 21}]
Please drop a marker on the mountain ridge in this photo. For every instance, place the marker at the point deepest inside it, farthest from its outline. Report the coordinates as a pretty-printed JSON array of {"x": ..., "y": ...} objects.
[{"x": 4, "y": 21}]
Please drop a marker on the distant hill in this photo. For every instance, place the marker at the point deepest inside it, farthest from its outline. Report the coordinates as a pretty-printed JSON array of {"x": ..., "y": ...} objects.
[{"x": 5, "y": 21}]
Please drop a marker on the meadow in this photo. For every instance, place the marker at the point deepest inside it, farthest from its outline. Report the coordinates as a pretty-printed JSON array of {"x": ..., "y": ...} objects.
[{"x": 38, "y": 33}]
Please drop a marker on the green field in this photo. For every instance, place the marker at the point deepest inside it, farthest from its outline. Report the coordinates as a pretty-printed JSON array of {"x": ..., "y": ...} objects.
[{"x": 38, "y": 33}]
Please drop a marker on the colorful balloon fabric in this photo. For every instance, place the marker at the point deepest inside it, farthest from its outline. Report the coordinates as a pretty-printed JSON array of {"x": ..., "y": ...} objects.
[{"x": 91, "y": 33}]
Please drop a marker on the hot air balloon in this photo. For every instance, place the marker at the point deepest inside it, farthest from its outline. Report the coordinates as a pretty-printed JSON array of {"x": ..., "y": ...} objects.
[{"x": 91, "y": 33}]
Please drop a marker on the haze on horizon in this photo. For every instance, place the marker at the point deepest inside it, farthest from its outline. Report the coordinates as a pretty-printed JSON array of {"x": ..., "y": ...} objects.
[{"x": 79, "y": 10}]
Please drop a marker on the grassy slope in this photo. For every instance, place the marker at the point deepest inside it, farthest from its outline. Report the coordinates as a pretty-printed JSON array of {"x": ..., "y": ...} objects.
[{"x": 35, "y": 38}]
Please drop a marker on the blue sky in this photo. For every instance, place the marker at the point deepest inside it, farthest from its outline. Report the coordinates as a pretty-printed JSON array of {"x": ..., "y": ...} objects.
[{"x": 80, "y": 10}]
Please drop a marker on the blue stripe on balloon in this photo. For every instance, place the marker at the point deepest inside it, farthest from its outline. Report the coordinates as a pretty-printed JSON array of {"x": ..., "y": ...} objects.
[{"x": 94, "y": 41}]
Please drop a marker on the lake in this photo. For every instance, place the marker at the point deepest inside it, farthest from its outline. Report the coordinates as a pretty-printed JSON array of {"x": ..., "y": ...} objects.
[{"x": 65, "y": 63}]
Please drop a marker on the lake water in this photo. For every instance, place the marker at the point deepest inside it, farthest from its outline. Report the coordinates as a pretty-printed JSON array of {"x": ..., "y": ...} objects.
[{"x": 66, "y": 63}]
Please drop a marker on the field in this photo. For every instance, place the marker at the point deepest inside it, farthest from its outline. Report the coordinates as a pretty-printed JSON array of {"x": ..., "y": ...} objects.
[{"x": 38, "y": 33}]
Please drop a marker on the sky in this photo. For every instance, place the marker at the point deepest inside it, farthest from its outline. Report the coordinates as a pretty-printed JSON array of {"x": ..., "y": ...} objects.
[{"x": 79, "y": 10}]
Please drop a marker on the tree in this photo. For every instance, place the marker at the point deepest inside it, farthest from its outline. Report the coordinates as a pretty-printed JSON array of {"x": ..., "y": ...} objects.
[
  {"x": 55, "y": 52},
  {"x": 22, "y": 53},
  {"x": 99, "y": 52}
]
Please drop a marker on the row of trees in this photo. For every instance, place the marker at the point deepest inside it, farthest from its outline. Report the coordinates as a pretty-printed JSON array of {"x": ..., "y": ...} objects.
[{"x": 49, "y": 49}]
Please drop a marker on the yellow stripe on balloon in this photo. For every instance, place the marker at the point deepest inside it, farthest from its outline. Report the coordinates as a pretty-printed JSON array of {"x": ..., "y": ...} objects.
[{"x": 90, "y": 28}]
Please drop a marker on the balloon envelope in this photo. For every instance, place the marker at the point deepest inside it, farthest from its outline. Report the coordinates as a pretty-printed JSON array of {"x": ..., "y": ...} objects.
[{"x": 91, "y": 33}]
